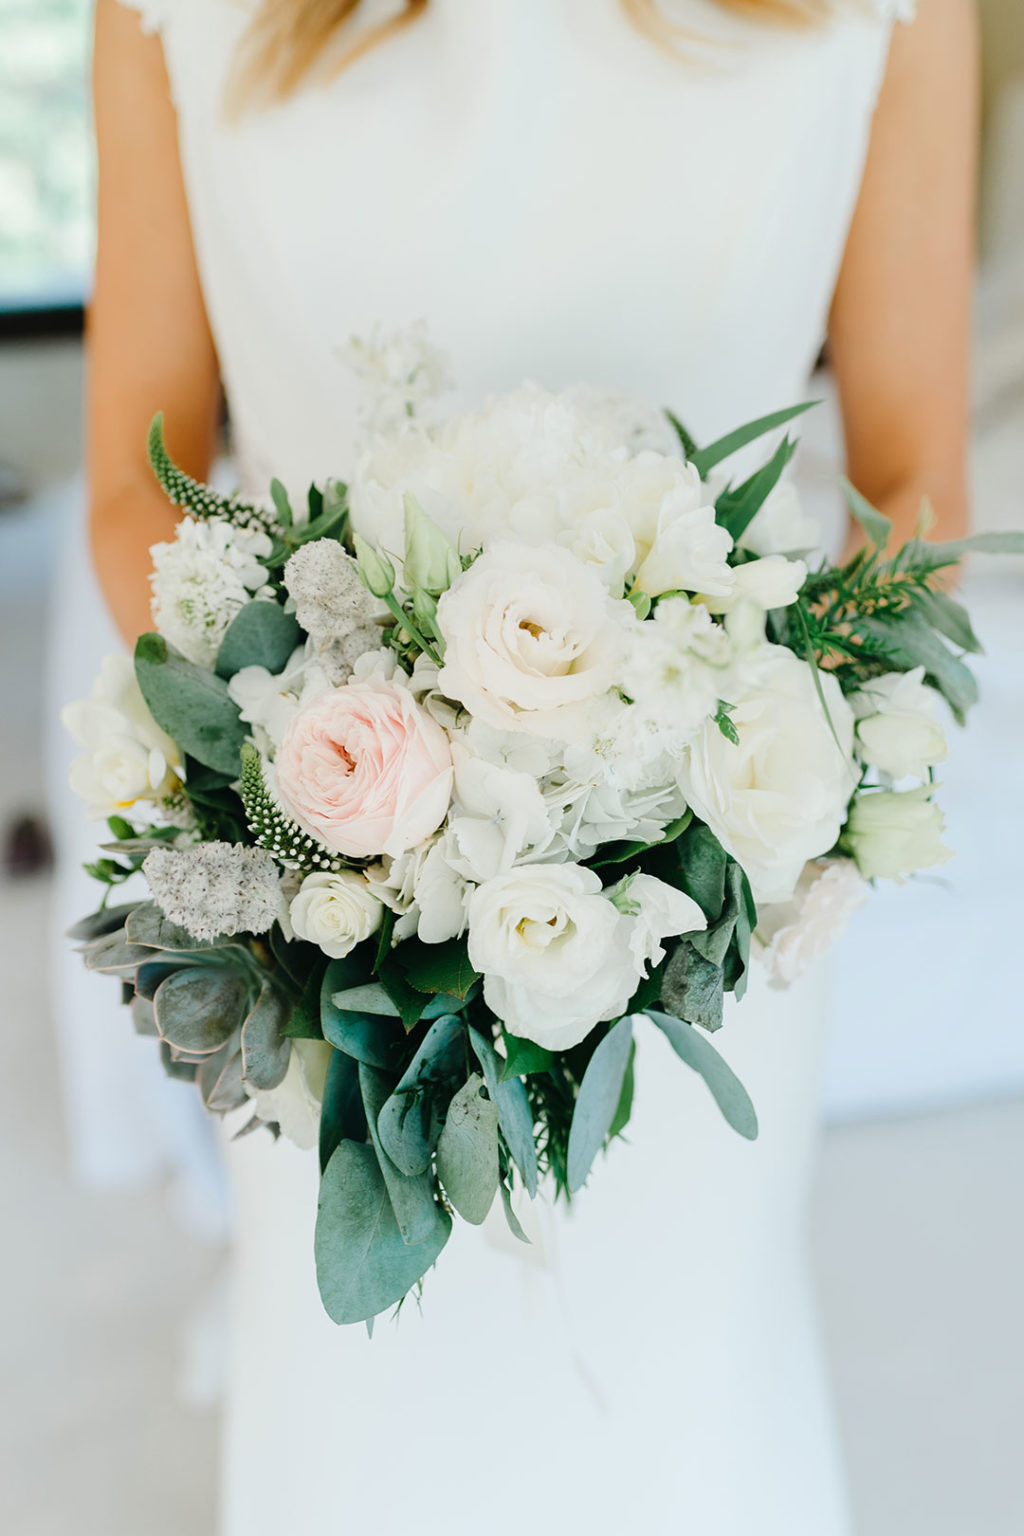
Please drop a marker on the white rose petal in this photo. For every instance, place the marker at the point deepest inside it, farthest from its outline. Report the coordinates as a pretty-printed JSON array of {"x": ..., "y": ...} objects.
[{"x": 335, "y": 911}]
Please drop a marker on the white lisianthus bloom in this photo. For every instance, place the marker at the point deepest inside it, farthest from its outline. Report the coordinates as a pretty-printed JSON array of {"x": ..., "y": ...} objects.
[
  {"x": 792, "y": 935},
  {"x": 688, "y": 553},
  {"x": 894, "y": 833},
  {"x": 779, "y": 797},
  {"x": 781, "y": 526},
  {"x": 335, "y": 912},
  {"x": 898, "y": 729},
  {"x": 296, "y": 1102},
  {"x": 126, "y": 757},
  {"x": 771, "y": 582},
  {"x": 528, "y": 631},
  {"x": 203, "y": 579}
]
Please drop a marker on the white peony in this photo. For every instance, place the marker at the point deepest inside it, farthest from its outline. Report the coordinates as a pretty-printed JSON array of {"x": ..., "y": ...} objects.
[
  {"x": 557, "y": 956},
  {"x": 335, "y": 911},
  {"x": 771, "y": 582},
  {"x": 791, "y": 936},
  {"x": 894, "y": 833},
  {"x": 898, "y": 729},
  {"x": 529, "y": 632},
  {"x": 779, "y": 797},
  {"x": 126, "y": 757},
  {"x": 202, "y": 580},
  {"x": 295, "y": 1103},
  {"x": 781, "y": 526}
]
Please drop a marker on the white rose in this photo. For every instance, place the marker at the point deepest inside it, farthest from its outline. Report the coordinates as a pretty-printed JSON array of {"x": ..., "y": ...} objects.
[
  {"x": 779, "y": 797},
  {"x": 553, "y": 951},
  {"x": 781, "y": 525},
  {"x": 772, "y": 582},
  {"x": 295, "y": 1103},
  {"x": 126, "y": 756},
  {"x": 898, "y": 730},
  {"x": 528, "y": 631},
  {"x": 335, "y": 912},
  {"x": 793, "y": 934},
  {"x": 892, "y": 833}
]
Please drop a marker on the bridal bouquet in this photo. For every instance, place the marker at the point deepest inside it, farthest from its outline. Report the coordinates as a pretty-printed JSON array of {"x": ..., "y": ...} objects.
[{"x": 450, "y": 783}]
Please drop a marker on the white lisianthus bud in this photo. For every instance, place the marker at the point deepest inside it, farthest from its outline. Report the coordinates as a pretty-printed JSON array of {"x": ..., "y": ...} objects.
[
  {"x": 771, "y": 582},
  {"x": 431, "y": 559},
  {"x": 894, "y": 833},
  {"x": 374, "y": 567},
  {"x": 898, "y": 730},
  {"x": 335, "y": 912}
]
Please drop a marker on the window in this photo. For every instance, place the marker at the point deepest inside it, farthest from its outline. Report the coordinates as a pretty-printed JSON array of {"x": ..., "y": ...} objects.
[{"x": 45, "y": 154}]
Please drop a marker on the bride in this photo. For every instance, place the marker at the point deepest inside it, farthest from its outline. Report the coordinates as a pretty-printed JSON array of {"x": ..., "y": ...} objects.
[{"x": 680, "y": 202}]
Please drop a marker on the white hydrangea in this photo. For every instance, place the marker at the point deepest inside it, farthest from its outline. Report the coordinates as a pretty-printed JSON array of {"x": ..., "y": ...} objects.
[
  {"x": 332, "y": 605},
  {"x": 792, "y": 935},
  {"x": 674, "y": 671},
  {"x": 402, "y": 374},
  {"x": 202, "y": 579},
  {"x": 215, "y": 889}
]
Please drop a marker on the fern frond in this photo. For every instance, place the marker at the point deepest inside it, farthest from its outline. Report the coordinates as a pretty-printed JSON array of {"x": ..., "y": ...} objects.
[
  {"x": 199, "y": 500},
  {"x": 272, "y": 829}
]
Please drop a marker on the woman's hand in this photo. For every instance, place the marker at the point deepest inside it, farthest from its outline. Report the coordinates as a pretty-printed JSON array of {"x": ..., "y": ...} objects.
[
  {"x": 149, "y": 342},
  {"x": 899, "y": 333}
]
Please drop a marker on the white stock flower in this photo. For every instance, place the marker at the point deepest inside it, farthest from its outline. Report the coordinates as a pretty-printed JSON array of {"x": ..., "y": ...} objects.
[
  {"x": 126, "y": 757},
  {"x": 894, "y": 833},
  {"x": 296, "y": 1102},
  {"x": 215, "y": 889},
  {"x": 771, "y": 582},
  {"x": 792, "y": 935},
  {"x": 781, "y": 526},
  {"x": 402, "y": 374},
  {"x": 779, "y": 797},
  {"x": 898, "y": 729},
  {"x": 687, "y": 550},
  {"x": 202, "y": 580},
  {"x": 529, "y": 631},
  {"x": 335, "y": 911}
]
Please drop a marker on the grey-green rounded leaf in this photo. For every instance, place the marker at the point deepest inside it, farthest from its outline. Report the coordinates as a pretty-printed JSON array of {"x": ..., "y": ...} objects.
[
  {"x": 197, "y": 1010},
  {"x": 598, "y": 1100},
  {"x": 467, "y": 1151}
]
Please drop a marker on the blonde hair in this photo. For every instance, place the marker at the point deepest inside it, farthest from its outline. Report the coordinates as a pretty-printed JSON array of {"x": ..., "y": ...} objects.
[{"x": 291, "y": 40}]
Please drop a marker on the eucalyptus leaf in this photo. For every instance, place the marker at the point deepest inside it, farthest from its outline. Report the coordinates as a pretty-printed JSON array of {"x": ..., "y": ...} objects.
[
  {"x": 875, "y": 524},
  {"x": 198, "y": 1009},
  {"x": 146, "y": 924},
  {"x": 950, "y": 618},
  {"x": 157, "y": 969},
  {"x": 515, "y": 1226},
  {"x": 191, "y": 704},
  {"x": 410, "y": 1122},
  {"x": 515, "y": 1116},
  {"x": 303, "y": 1022},
  {"x": 143, "y": 1016},
  {"x": 694, "y": 987},
  {"x": 114, "y": 956},
  {"x": 911, "y": 642},
  {"x": 342, "y": 1116},
  {"x": 622, "y": 853},
  {"x": 467, "y": 1151},
  {"x": 370, "y": 997},
  {"x": 266, "y": 1051},
  {"x": 705, "y": 459},
  {"x": 624, "y": 1108},
  {"x": 726, "y": 1089},
  {"x": 412, "y": 1197},
  {"x": 228, "y": 1091},
  {"x": 598, "y": 1100},
  {"x": 702, "y": 869},
  {"x": 260, "y": 635},
  {"x": 378, "y": 1041},
  {"x": 362, "y": 1264},
  {"x": 97, "y": 924}
]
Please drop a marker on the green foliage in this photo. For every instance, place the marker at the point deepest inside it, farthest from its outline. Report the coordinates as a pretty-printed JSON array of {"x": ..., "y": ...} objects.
[
  {"x": 726, "y": 1089},
  {"x": 686, "y": 442},
  {"x": 191, "y": 704},
  {"x": 367, "y": 1037},
  {"x": 363, "y": 1264},
  {"x": 723, "y": 719},
  {"x": 515, "y": 1117},
  {"x": 467, "y": 1151},
  {"x": 266, "y": 1051},
  {"x": 198, "y": 1009},
  {"x": 260, "y": 635},
  {"x": 411, "y": 1120},
  {"x": 705, "y": 459},
  {"x": 411, "y": 1196},
  {"x": 342, "y": 1115},
  {"x": 736, "y": 508},
  {"x": 598, "y": 1101},
  {"x": 523, "y": 1057},
  {"x": 438, "y": 967}
]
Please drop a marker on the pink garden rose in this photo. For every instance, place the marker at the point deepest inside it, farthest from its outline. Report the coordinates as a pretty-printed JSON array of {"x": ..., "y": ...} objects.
[{"x": 366, "y": 769}]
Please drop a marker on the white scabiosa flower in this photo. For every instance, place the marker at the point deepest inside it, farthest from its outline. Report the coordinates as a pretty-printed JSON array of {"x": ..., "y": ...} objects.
[
  {"x": 202, "y": 579},
  {"x": 215, "y": 889},
  {"x": 335, "y": 911},
  {"x": 126, "y": 757}
]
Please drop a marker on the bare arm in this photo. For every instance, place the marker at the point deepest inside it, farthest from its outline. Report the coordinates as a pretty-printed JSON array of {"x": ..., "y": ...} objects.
[
  {"x": 149, "y": 342},
  {"x": 900, "y": 325}
]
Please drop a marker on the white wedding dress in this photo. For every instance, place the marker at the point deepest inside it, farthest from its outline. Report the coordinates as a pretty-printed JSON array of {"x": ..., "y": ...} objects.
[{"x": 560, "y": 200}]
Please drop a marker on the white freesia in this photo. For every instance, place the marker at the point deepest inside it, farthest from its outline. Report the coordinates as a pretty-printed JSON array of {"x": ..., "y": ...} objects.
[
  {"x": 126, "y": 757},
  {"x": 771, "y": 582},
  {"x": 898, "y": 729},
  {"x": 335, "y": 911},
  {"x": 556, "y": 954},
  {"x": 202, "y": 579},
  {"x": 688, "y": 552},
  {"x": 779, "y": 796},
  {"x": 529, "y": 631},
  {"x": 295, "y": 1103},
  {"x": 781, "y": 526},
  {"x": 894, "y": 833},
  {"x": 793, "y": 934}
]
